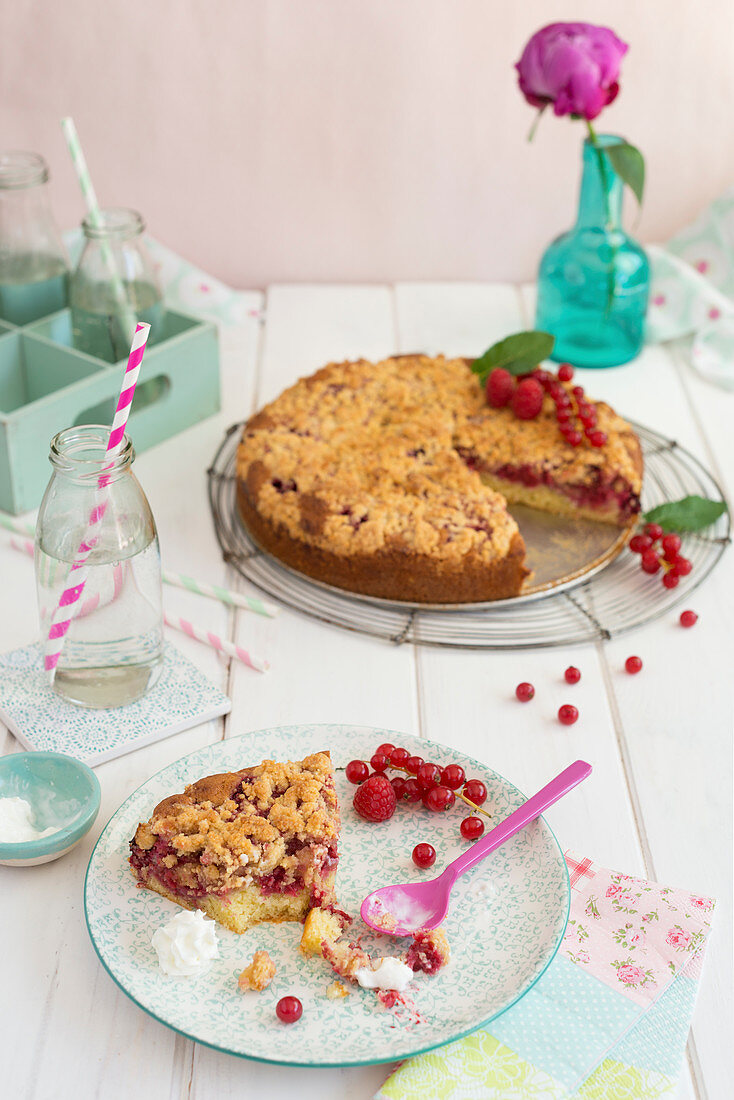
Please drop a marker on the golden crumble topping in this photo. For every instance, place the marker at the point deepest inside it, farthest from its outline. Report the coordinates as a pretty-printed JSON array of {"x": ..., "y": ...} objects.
[
  {"x": 225, "y": 829},
  {"x": 259, "y": 974},
  {"x": 367, "y": 457}
]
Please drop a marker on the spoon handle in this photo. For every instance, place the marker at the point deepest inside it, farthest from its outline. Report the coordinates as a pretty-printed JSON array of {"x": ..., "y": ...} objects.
[{"x": 517, "y": 820}]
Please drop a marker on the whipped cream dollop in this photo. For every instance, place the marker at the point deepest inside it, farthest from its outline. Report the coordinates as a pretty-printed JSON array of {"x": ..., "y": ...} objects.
[
  {"x": 389, "y": 973},
  {"x": 16, "y": 822},
  {"x": 186, "y": 945}
]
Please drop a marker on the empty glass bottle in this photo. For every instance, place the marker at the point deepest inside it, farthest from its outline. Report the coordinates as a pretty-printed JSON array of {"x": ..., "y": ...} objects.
[
  {"x": 114, "y": 286},
  {"x": 34, "y": 271},
  {"x": 594, "y": 280}
]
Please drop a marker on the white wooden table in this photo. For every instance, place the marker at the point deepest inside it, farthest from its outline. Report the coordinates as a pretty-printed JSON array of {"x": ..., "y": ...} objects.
[{"x": 658, "y": 803}]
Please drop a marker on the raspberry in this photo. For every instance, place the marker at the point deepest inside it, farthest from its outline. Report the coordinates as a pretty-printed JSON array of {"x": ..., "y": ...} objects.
[
  {"x": 500, "y": 387},
  {"x": 565, "y": 372},
  {"x": 375, "y": 799},
  {"x": 688, "y": 618},
  {"x": 524, "y": 692},
  {"x": 633, "y": 665},
  {"x": 572, "y": 675},
  {"x": 527, "y": 400}
]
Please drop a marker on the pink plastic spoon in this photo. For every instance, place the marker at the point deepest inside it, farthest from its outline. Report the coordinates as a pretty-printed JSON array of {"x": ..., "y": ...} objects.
[{"x": 404, "y": 909}]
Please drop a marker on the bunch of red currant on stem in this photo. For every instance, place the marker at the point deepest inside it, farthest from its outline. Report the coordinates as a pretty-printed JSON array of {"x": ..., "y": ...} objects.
[
  {"x": 576, "y": 416},
  {"x": 422, "y": 781},
  {"x": 658, "y": 551}
]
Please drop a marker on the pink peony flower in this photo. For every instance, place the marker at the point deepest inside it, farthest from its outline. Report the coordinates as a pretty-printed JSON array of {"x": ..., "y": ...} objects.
[
  {"x": 677, "y": 937},
  {"x": 704, "y": 904},
  {"x": 612, "y": 891},
  {"x": 574, "y": 66},
  {"x": 630, "y": 974}
]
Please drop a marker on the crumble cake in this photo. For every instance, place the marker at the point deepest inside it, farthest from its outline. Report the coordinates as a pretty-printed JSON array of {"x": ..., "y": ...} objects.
[
  {"x": 255, "y": 845},
  {"x": 391, "y": 479}
]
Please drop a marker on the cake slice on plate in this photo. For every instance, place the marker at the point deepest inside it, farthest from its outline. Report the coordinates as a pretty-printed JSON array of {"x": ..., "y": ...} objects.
[{"x": 255, "y": 845}]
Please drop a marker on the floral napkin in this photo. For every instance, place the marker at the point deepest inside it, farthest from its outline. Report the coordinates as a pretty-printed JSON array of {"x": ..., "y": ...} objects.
[
  {"x": 692, "y": 291},
  {"x": 607, "y": 1020}
]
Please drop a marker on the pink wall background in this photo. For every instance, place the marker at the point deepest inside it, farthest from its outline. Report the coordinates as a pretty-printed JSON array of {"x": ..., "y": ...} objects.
[{"x": 362, "y": 140}]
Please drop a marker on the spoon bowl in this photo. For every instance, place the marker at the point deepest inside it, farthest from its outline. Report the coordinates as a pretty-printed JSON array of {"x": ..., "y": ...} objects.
[{"x": 408, "y": 907}]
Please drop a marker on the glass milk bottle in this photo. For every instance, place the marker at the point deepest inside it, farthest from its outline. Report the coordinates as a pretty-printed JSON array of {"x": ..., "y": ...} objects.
[
  {"x": 112, "y": 652},
  {"x": 34, "y": 273},
  {"x": 114, "y": 286}
]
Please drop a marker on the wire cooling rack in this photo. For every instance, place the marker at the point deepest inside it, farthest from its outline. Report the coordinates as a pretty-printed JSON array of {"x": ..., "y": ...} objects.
[{"x": 618, "y": 598}]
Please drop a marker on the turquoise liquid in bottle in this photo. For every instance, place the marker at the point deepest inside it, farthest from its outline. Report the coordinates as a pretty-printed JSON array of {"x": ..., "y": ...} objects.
[{"x": 593, "y": 282}]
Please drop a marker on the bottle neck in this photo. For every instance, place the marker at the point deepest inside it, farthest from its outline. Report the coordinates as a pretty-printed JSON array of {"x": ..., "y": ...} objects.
[
  {"x": 80, "y": 456},
  {"x": 602, "y": 191},
  {"x": 113, "y": 225}
]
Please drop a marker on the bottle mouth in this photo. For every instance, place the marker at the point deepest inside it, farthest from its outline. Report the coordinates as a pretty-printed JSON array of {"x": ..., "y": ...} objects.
[
  {"x": 113, "y": 223},
  {"x": 604, "y": 141},
  {"x": 19, "y": 169},
  {"x": 81, "y": 453}
]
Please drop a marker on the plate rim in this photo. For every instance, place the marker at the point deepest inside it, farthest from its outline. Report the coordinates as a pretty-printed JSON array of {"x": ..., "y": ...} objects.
[{"x": 412, "y": 1053}]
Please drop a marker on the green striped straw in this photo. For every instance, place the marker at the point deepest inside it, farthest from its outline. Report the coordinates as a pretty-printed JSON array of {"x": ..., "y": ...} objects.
[
  {"x": 127, "y": 317},
  {"x": 180, "y": 580}
]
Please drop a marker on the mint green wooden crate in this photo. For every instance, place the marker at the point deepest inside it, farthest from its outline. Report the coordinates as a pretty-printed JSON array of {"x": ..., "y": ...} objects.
[{"x": 47, "y": 385}]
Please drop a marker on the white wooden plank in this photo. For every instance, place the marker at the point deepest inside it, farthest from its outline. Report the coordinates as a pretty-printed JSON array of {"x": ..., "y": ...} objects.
[
  {"x": 319, "y": 673},
  {"x": 675, "y": 724}
]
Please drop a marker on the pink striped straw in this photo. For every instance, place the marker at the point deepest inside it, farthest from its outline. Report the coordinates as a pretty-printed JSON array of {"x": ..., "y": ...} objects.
[
  {"x": 220, "y": 644},
  {"x": 26, "y": 547},
  {"x": 69, "y": 605}
]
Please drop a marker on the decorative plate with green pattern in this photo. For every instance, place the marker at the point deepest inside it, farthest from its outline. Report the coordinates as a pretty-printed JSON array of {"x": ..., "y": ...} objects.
[{"x": 507, "y": 918}]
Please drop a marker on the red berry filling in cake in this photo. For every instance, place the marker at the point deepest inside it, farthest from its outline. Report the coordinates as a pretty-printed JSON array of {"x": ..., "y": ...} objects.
[
  {"x": 260, "y": 844},
  {"x": 429, "y": 951}
]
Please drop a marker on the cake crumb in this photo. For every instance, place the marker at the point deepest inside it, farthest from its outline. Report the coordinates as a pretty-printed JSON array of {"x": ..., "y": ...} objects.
[
  {"x": 322, "y": 926},
  {"x": 429, "y": 951},
  {"x": 259, "y": 974},
  {"x": 336, "y": 990}
]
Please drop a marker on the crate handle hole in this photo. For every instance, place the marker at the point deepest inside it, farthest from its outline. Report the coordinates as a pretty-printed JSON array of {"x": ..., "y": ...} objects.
[{"x": 146, "y": 393}]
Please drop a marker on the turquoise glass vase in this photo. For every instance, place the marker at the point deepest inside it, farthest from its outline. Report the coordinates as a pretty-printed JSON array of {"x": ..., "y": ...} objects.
[{"x": 594, "y": 280}]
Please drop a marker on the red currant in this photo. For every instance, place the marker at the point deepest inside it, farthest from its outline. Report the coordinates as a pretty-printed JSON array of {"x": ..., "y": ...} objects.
[
  {"x": 524, "y": 692},
  {"x": 471, "y": 828},
  {"x": 578, "y": 392},
  {"x": 565, "y": 372},
  {"x": 588, "y": 419},
  {"x": 385, "y": 749},
  {"x": 633, "y": 665},
  {"x": 289, "y": 1009},
  {"x": 560, "y": 397},
  {"x": 671, "y": 546},
  {"x": 356, "y": 771},
  {"x": 681, "y": 567},
  {"x": 543, "y": 376},
  {"x": 572, "y": 675},
  {"x": 412, "y": 790},
  {"x": 573, "y": 437},
  {"x": 475, "y": 791},
  {"x": 567, "y": 714},
  {"x": 398, "y": 785},
  {"x": 640, "y": 543},
  {"x": 439, "y": 799},
  {"x": 597, "y": 438},
  {"x": 453, "y": 776},
  {"x": 688, "y": 618},
  {"x": 654, "y": 530},
  {"x": 424, "y": 855},
  {"x": 428, "y": 775},
  {"x": 398, "y": 757},
  {"x": 379, "y": 762},
  {"x": 671, "y": 580},
  {"x": 413, "y": 763},
  {"x": 564, "y": 417},
  {"x": 650, "y": 562}
]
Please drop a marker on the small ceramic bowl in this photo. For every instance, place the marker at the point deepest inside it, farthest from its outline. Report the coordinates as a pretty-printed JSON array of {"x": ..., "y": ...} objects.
[{"x": 62, "y": 792}]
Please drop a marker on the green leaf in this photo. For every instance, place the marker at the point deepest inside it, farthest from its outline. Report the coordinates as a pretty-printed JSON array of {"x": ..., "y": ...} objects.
[
  {"x": 629, "y": 164},
  {"x": 518, "y": 354},
  {"x": 689, "y": 514}
]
